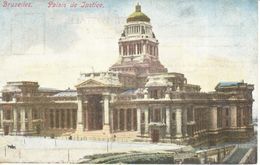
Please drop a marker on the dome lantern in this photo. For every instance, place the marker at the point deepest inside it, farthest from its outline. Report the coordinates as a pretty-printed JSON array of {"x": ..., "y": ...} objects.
[
  {"x": 137, "y": 8},
  {"x": 138, "y": 15}
]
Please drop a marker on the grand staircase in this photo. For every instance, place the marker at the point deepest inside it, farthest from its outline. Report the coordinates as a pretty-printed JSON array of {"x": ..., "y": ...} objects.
[{"x": 100, "y": 135}]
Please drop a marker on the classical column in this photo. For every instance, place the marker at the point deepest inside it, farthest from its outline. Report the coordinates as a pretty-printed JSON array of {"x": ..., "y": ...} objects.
[
  {"x": 65, "y": 119},
  {"x": 161, "y": 115},
  {"x": 71, "y": 118},
  {"x": 132, "y": 119},
  {"x": 242, "y": 123},
  {"x": 118, "y": 119},
  {"x": 184, "y": 113},
  {"x": 178, "y": 122},
  {"x": 49, "y": 115},
  {"x": 168, "y": 120},
  {"x": 79, "y": 114},
  {"x": 136, "y": 49},
  {"x": 127, "y": 49},
  {"x": 114, "y": 120},
  {"x": 213, "y": 117},
  {"x": 30, "y": 127},
  {"x": 22, "y": 119},
  {"x": 86, "y": 120},
  {"x": 125, "y": 119},
  {"x": 57, "y": 118},
  {"x": 68, "y": 119},
  {"x": 250, "y": 114},
  {"x": 233, "y": 115},
  {"x": 146, "y": 119},
  {"x": 151, "y": 115},
  {"x": 138, "y": 120},
  {"x": 106, "y": 126},
  {"x": 111, "y": 113},
  {"x": 86, "y": 116},
  {"x": 46, "y": 119},
  {"x": 141, "y": 47},
  {"x": 15, "y": 120},
  {"x": 60, "y": 118},
  {"x": 122, "y": 50},
  {"x": 54, "y": 118},
  {"x": 42, "y": 117},
  {"x": 144, "y": 48},
  {"x": 1, "y": 119}
]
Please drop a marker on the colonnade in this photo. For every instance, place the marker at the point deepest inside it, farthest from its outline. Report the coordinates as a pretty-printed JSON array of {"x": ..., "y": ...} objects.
[
  {"x": 133, "y": 48},
  {"x": 124, "y": 119},
  {"x": 61, "y": 118},
  {"x": 21, "y": 120},
  {"x": 173, "y": 119},
  {"x": 237, "y": 116}
]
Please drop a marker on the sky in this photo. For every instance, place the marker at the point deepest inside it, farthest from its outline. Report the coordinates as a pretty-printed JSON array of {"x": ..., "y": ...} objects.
[{"x": 207, "y": 40}]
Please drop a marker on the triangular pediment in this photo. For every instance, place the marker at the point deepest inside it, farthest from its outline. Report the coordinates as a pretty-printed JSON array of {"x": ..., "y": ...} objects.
[{"x": 90, "y": 83}]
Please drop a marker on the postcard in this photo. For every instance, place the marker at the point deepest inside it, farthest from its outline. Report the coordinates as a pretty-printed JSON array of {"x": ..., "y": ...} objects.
[{"x": 132, "y": 82}]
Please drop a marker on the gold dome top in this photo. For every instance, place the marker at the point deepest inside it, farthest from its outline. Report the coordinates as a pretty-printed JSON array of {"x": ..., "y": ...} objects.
[{"x": 137, "y": 15}]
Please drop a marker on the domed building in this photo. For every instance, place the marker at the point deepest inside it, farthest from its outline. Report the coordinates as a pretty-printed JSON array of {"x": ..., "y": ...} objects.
[{"x": 137, "y": 99}]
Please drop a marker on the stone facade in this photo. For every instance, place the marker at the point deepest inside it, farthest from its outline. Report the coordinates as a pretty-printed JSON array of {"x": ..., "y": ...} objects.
[{"x": 138, "y": 95}]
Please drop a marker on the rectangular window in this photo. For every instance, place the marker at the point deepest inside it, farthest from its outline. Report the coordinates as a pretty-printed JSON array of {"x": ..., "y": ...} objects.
[
  {"x": 173, "y": 117},
  {"x": 52, "y": 118},
  {"x": 189, "y": 114},
  {"x": 18, "y": 116},
  {"x": 157, "y": 116},
  {"x": 219, "y": 116},
  {"x": 154, "y": 94},
  {"x": 238, "y": 117},
  {"x": 227, "y": 111},
  {"x": 26, "y": 115},
  {"x": 142, "y": 117},
  {"x": 7, "y": 115}
]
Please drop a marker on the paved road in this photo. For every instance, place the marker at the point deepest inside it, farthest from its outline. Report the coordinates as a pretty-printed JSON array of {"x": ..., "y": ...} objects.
[{"x": 236, "y": 157}]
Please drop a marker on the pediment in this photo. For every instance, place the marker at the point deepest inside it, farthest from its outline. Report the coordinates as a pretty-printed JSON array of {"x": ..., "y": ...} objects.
[{"x": 90, "y": 83}]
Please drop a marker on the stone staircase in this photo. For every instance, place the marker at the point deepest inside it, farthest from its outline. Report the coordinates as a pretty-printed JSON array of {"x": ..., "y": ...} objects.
[
  {"x": 61, "y": 133},
  {"x": 100, "y": 135}
]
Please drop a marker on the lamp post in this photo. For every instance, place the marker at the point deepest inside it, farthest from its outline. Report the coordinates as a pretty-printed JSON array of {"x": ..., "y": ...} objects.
[
  {"x": 68, "y": 155},
  {"x": 107, "y": 143},
  {"x": 107, "y": 140}
]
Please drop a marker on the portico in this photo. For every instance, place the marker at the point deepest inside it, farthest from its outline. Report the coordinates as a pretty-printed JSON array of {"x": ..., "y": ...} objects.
[{"x": 95, "y": 95}]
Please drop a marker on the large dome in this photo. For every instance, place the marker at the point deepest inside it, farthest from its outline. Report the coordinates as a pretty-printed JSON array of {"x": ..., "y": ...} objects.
[{"x": 138, "y": 15}]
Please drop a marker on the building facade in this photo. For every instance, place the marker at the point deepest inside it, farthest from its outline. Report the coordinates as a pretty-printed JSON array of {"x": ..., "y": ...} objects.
[{"x": 136, "y": 96}]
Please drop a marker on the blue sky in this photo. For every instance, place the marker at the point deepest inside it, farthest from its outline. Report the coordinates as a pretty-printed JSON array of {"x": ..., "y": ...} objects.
[{"x": 207, "y": 40}]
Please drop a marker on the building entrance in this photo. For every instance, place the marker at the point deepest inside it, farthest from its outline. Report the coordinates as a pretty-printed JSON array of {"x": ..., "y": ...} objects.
[
  {"x": 6, "y": 129},
  {"x": 38, "y": 129},
  {"x": 94, "y": 112},
  {"x": 155, "y": 135}
]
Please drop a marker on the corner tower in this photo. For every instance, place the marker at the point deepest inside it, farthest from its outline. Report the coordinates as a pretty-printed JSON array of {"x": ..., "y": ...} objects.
[{"x": 138, "y": 47}]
